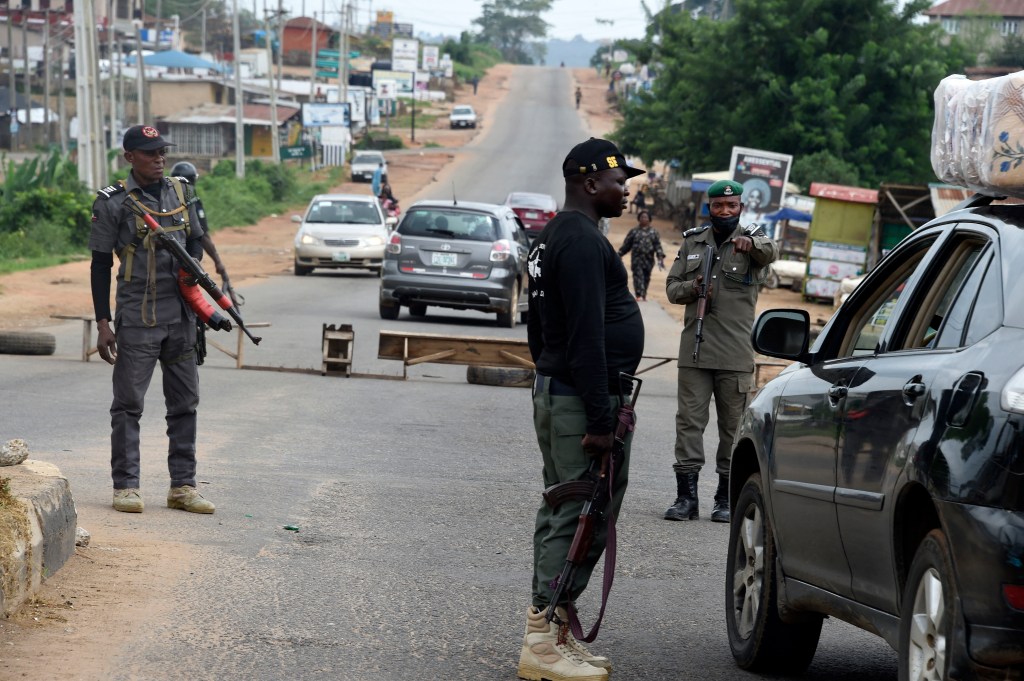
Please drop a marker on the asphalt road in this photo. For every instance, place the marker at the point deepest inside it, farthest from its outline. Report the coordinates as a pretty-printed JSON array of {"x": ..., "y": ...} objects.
[{"x": 415, "y": 499}]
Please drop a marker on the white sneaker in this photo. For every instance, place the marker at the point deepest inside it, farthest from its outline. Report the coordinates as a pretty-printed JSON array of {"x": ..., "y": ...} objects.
[{"x": 548, "y": 655}]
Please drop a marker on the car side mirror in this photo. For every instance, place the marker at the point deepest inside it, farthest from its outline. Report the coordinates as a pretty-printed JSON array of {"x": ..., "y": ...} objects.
[
  {"x": 296, "y": 218},
  {"x": 782, "y": 333}
]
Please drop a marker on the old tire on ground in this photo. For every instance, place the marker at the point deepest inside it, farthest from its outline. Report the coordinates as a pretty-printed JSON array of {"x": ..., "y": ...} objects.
[
  {"x": 508, "y": 377},
  {"x": 27, "y": 343}
]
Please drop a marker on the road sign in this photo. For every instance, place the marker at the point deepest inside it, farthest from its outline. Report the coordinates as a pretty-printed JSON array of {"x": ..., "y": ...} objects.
[{"x": 300, "y": 151}]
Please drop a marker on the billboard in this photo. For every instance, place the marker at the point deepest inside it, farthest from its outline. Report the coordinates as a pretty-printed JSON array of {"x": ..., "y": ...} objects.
[
  {"x": 317, "y": 114},
  {"x": 404, "y": 54},
  {"x": 431, "y": 57},
  {"x": 385, "y": 88},
  {"x": 403, "y": 80},
  {"x": 763, "y": 175}
]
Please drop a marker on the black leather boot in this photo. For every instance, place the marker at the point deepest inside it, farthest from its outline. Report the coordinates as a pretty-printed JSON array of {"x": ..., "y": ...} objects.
[
  {"x": 685, "y": 507},
  {"x": 720, "y": 512}
]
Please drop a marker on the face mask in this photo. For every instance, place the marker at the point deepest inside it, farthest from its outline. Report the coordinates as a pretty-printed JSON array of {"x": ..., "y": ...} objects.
[{"x": 725, "y": 224}]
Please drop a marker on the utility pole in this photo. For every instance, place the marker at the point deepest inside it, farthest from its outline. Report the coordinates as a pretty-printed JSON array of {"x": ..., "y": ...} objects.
[
  {"x": 280, "y": 41},
  {"x": 61, "y": 109},
  {"x": 275, "y": 141},
  {"x": 91, "y": 151},
  {"x": 112, "y": 7},
  {"x": 343, "y": 55},
  {"x": 28, "y": 74},
  {"x": 239, "y": 97},
  {"x": 47, "y": 135},
  {"x": 140, "y": 68},
  {"x": 204, "y": 31},
  {"x": 12, "y": 95}
]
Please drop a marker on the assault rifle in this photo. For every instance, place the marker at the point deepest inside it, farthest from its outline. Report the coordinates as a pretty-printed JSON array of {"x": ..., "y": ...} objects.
[
  {"x": 190, "y": 266},
  {"x": 703, "y": 304},
  {"x": 595, "y": 488}
]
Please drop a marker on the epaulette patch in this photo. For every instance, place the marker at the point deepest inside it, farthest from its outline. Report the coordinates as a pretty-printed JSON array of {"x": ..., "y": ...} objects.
[
  {"x": 753, "y": 230},
  {"x": 696, "y": 230},
  {"x": 107, "y": 192},
  {"x": 180, "y": 179}
]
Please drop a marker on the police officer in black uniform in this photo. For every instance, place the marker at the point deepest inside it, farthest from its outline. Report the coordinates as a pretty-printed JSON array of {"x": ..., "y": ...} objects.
[{"x": 152, "y": 322}]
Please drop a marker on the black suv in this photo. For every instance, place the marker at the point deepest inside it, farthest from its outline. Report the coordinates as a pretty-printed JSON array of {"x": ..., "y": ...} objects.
[{"x": 880, "y": 478}]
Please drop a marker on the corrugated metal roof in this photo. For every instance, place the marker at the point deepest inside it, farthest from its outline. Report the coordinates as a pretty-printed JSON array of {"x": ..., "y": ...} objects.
[
  {"x": 839, "y": 192},
  {"x": 946, "y": 197},
  {"x": 954, "y": 8}
]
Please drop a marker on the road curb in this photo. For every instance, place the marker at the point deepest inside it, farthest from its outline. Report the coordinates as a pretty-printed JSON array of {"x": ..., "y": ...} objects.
[{"x": 52, "y": 520}]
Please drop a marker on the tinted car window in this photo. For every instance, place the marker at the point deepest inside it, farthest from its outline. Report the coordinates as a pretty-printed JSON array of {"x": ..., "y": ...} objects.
[
  {"x": 354, "y": 212},
  {"x": 450, "y": 224},
  {"x": 987, "y": 314},
  {"x": 954, "y": 320}
]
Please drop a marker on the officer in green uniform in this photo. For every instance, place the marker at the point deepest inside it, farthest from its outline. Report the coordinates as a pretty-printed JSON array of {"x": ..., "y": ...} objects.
[
  {"x": 725, "y": 366},
  {"x": 152, "y": 322}
]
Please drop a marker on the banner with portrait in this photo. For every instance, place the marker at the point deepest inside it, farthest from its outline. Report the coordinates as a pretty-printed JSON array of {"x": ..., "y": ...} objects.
[{"x": 764, "y": 175}]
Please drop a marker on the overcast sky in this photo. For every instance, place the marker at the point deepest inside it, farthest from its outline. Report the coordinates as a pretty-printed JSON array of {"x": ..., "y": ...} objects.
[{"x": 567, "y": 18}]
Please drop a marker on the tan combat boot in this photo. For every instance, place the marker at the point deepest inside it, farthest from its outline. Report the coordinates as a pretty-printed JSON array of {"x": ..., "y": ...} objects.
[
  {"x": 188, "y": 498},
  {"x": 547, "y": 654},
  {"x": 588, "y": 657},
  {"x": 128, "y": 500}
]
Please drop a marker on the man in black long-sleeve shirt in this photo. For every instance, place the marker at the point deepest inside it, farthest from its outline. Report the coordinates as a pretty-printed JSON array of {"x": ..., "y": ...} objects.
[{"x": 584, "y": 328}]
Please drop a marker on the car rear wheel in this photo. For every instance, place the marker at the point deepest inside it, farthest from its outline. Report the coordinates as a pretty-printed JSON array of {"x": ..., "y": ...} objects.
[
  {"x": 507, "y": 320},
  {"x": 929, "y": 610},
  {"x": 302, "y": 270},
  {"x": 759, "y": 639},
  {"x": 389, "y": 311},
  {"x": 418, "y": 309}
]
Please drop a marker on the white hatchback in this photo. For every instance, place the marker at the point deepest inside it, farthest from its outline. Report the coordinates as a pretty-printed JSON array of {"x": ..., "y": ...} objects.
[{"x": 341, "y": 231}]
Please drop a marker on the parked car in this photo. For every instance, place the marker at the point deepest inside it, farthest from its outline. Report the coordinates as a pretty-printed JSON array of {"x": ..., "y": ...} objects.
[
  {"x": 364, "y": 165},
  {"x": 462, "y": 116},
  {"x": 533, "y": 209},
  {"x": 880, "y": 478},
  {"x": 341, "y": 231},
  {"x": 462, "y": 256}
]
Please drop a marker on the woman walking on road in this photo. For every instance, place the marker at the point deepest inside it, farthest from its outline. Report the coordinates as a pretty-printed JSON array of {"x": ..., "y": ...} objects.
[{"x": 644, "y": 242}]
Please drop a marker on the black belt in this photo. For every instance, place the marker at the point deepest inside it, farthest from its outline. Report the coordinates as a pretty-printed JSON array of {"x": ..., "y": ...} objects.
[{"x": 563, "y": 389}]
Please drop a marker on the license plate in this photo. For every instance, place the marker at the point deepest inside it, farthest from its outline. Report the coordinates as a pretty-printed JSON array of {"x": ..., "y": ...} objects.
[
  {"x": 530, "y": 215},
  {"x": 444, "y": 259},
  {"x": 341, "y": 257}
]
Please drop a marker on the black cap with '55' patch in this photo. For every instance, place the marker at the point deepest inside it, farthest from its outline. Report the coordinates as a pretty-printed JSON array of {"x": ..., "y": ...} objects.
[
  {"x": 144, "y": 137},
  {"x": 595, "y": 155}
]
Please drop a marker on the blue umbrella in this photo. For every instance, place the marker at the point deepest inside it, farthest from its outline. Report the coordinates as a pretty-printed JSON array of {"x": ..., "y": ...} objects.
[
  {"x": 789, "y": 214},
  {"x": 175, "y": 59}
]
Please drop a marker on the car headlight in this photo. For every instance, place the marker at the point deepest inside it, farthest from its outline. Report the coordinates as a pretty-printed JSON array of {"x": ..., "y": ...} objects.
[
  {"x": 308, "y": 240},
  {"x": 375, "y": 241},
  {"x": 1012, "y": 397}
]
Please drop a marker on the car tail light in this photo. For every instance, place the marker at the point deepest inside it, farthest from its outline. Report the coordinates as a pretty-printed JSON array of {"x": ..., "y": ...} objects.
[
  {"x": 394, "y": 244},
  {"x": 500, "y": 250},
  {"x": 1012, "y": 397},
  {"x": 549, "y": 214},
  {"x": 1014, "y": 595}
]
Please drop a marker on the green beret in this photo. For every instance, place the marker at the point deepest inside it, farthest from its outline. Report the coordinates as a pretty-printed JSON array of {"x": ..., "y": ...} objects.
[{"x": 725, "y": 188}]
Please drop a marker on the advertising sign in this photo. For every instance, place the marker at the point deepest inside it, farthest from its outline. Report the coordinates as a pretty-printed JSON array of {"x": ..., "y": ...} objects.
[
  {"x": 317, "y": 114},
  {"x": 403, "y": 80},
  {"x": 763, "y": 175},
  {"x": 404, "y": 54},
  {"x": 431, "y": 57},
  {"x": 385, "y": 89},
  {"x": 298, "y": 151}
]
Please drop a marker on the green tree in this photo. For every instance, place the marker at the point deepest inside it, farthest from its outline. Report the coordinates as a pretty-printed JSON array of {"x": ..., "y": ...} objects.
[
  {"x": 515, "y": 27},
  {"x": 851, "y": 78}
]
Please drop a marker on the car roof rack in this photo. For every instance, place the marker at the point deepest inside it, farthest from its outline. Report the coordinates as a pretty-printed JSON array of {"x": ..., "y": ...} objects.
[{"x": 977, "y": 201}]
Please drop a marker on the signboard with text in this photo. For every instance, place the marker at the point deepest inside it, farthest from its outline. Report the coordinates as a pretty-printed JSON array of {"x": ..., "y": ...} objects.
[
  {"x": 763, "y": 175},
  {"x": 317, "y": 114},
  {"x": 403, "y": 80}
]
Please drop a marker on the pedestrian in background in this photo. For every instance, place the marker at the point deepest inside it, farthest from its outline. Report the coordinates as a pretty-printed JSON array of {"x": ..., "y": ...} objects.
[
  {"x": 378, "y": 177},
  {"x": 584, "y": 329},
  {"x": 152, "y": 322},
  {"x": 579, "y": 96},
  {"x": 725, "y": 365},
  {"x": 645, "y": 244}
]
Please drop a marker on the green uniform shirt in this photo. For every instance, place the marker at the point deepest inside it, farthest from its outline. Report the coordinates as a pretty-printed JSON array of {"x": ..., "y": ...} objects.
[{"x": 736, "y": 279}]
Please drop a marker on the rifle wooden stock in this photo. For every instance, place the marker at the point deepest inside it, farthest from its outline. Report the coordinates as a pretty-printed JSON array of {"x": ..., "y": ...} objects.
[
  {"x": 702, "y": 300},
  {"x": 190, "y": 265}
]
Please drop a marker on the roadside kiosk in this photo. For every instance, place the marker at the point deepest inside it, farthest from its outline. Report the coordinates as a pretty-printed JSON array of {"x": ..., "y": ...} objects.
[{"x": 838, "y": 239}]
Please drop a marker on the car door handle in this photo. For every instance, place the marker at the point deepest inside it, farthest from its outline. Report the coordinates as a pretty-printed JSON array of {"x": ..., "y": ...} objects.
[
  {"x": 836, "y": 393},
  {"x": 913, "y": 390}
]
